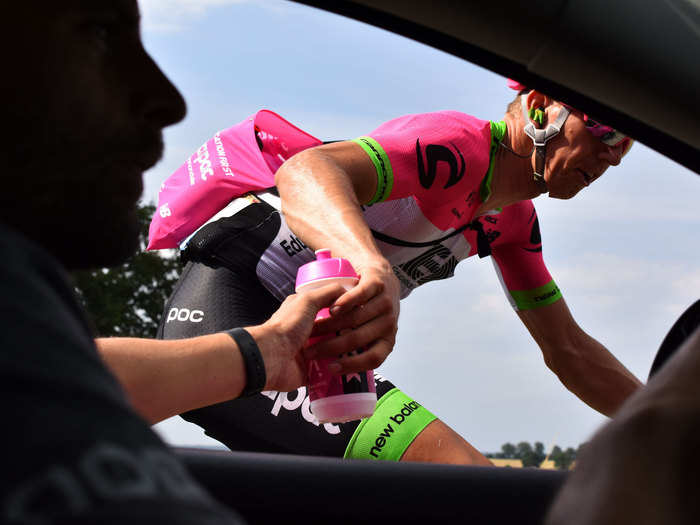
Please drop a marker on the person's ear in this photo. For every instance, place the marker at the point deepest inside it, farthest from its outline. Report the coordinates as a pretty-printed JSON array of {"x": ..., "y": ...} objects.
[{"x": 536, "y": 104}]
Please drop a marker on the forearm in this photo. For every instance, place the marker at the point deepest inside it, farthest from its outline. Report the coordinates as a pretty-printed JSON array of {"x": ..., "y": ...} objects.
[
  {"x": 165, "y": 378},
  {"x": 321, "y": 205},
  {"x": 593, "y": 374},
  {"x": 321, "y": 191},
  {"x": 582, "y": 364},
  {"x": 634, "y": 470}
]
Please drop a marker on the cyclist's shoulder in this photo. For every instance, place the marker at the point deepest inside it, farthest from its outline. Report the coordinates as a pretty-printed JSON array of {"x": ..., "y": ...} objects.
[
  {"x": 518, "y": 223},
  {"x": 521, "y": 209},
  {"x": 518, "y": 214},
  {"x": 437, "y": 123}
]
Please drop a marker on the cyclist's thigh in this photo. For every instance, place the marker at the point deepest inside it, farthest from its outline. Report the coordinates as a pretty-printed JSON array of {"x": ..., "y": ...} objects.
[{"x": 401, "y": 429}]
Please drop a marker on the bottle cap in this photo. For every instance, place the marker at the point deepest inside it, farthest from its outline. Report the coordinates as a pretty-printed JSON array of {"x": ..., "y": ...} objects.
[{"x": 324, "y": 267}]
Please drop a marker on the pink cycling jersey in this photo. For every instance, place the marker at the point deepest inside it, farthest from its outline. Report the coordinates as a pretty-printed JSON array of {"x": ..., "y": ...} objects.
[{"x": 434, "y": 171}]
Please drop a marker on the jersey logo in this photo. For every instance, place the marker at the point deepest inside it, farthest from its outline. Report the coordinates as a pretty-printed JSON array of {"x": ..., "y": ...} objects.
[
  {"x": 535, "y": 237},
  {"x": 484, "y": 238},
  {"x": 185, "y": 314},
  {"x": 435, "y": 153},
  {"x": 436, "y": 263},
  {"x": 298, "y": 400},
  {"x": 293, "y": 245},
  {"x": 354, "y": 383}
]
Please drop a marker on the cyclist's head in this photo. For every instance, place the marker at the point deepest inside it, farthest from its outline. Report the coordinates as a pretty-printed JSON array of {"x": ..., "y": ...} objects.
[
  {"x": 606, "y": 134},
  {"x": 577, "y": 149}
]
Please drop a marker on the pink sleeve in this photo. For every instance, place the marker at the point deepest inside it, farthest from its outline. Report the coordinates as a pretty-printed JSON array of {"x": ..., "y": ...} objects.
[
  {"x": 432, "y": 156},
  {"x": 519, "y": 262}
]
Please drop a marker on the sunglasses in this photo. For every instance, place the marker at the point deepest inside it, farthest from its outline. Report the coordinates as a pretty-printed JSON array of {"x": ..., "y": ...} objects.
[{"x": 606, "y": 134}]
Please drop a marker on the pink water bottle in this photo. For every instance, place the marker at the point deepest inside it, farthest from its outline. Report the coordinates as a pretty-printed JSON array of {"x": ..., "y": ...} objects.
[{"x": 334, "y": 398}]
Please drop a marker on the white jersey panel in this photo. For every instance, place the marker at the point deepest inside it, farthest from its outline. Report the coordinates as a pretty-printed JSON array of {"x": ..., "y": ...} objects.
[{"x": 401, "y": 219}]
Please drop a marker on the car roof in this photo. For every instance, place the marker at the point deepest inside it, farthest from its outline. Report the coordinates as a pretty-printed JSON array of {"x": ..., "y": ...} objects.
[{"x": 632, "y": 64}]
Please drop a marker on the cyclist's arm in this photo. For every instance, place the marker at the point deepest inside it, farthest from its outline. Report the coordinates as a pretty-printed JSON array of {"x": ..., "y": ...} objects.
[
  {"x": 163, "y": 378},
  {"x": 614, "y": 483},
  {"x": 582, "y": 364},
  {"x": 322, "y": 190}
]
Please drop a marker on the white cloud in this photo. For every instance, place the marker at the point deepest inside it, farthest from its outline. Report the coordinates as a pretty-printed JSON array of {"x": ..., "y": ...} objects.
[
  {"x": 690, "y": 280},
  {"x": 614, "y": 276},
  {"x": 488, "y": 303},
  {"x": 605, "y": 271}
]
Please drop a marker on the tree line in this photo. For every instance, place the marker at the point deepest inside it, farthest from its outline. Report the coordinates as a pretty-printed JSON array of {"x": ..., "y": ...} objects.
[{"x": 534, "y": 455}]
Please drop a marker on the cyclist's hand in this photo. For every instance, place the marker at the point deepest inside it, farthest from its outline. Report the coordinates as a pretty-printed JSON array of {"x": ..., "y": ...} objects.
[
  {"x": 282, "y": 338},
  {"x": 367, "y": 317}
]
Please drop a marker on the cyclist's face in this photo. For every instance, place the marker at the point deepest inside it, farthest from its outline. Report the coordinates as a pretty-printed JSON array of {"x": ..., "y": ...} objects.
[
  {"x": 575, "y": 157},
  {"x": 86, "y": 106}
]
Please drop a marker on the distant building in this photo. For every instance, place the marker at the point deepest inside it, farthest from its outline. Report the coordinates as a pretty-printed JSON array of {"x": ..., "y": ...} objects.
[{"x": 513, "y": 463}]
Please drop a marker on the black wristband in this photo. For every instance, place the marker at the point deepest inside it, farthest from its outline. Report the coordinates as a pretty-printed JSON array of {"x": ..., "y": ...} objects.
[{"x": 252, "y": 359}]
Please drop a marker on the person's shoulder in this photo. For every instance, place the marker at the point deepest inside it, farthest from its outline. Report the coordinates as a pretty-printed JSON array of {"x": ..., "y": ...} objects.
[
  {"x": 518, "y": 223},
  {"x": 464, "y": 118},
  {"x": 519, "y": 214},
  {"x": 38, "y": 299},
  {"x": 521, "y": 208},
  {"x": 439, "y": 127},
  {"x": 436, "y": 119}
]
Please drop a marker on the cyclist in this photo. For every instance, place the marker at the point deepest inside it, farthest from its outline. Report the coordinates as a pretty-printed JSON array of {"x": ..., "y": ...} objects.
[{"x": 404, "y": 204}]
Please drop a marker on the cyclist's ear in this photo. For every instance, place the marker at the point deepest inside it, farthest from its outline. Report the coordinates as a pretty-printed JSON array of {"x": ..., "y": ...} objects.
[{"x": 536, "y": 105}]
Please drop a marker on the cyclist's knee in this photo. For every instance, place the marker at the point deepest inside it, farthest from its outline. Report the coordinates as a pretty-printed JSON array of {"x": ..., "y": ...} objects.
[
  {"x": 438, "y": 443},
  {"x": 401, "y": 429}
]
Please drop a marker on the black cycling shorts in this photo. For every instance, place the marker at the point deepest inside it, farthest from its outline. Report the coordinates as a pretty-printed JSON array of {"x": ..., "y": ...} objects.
[{"x": 219, "y": 290}]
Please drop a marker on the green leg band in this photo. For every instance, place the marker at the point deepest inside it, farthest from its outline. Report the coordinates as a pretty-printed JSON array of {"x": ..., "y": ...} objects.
[{"x": 386, "y": 435}]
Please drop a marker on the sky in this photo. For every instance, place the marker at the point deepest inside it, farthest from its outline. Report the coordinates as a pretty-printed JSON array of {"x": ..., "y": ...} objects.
[{"x": 624, "y": 251}]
